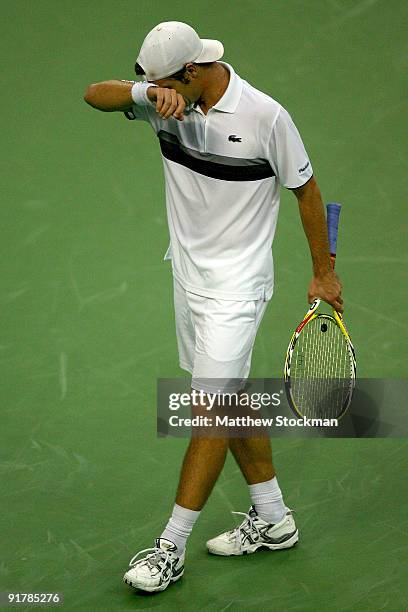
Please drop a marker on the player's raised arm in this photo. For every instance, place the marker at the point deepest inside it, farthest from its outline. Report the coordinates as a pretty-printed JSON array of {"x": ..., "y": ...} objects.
[
  {"x": 110, "y": 96},
  {"x": 113, "y": 95}
]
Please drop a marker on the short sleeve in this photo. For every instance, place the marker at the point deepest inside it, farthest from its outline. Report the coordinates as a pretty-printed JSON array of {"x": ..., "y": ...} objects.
[{"x": 287, "y": 154}]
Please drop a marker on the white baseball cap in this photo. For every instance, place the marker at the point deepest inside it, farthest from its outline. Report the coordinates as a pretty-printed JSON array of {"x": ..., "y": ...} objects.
[{"x": 171, "y": 45}]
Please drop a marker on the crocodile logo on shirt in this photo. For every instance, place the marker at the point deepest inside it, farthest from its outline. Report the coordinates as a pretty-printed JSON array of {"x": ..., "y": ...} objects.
[{"x": 234, "y": 138}]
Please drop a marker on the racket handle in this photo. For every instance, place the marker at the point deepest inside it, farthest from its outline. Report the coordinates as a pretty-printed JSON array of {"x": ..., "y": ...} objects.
[{"x": 333, "y": 213}]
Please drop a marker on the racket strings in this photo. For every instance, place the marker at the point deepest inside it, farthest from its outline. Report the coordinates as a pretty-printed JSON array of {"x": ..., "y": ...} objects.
[{"x": 321, "y": 370}]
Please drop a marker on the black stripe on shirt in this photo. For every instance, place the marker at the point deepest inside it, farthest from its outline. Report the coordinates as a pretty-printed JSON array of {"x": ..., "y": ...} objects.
[{"x": 215, "y": 166}]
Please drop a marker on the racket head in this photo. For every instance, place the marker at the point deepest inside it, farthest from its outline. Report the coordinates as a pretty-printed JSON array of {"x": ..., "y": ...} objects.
[{"x": 320, "y": 368}]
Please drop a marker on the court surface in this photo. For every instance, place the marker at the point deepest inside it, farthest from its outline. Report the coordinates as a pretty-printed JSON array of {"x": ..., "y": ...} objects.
[{"x": 87, "y": 319}]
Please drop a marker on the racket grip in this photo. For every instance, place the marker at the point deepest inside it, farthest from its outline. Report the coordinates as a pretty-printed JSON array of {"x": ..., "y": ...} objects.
[{"x": 333, "y": 213}]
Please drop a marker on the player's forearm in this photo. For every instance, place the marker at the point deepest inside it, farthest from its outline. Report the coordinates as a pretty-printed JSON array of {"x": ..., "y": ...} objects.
[
  {"x": 314, "y": 224},
  {"x": 110, "y": 96}
]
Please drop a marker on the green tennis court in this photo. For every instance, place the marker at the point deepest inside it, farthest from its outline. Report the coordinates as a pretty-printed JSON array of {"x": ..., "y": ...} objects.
[{"x": 87, "y": 315}]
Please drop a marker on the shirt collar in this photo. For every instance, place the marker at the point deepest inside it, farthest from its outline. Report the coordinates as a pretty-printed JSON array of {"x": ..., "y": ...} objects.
[{"x": 229, "y": 101}]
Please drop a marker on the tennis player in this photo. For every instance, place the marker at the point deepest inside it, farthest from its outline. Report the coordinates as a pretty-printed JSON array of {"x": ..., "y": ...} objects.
[{"x": 227, "y": 148}]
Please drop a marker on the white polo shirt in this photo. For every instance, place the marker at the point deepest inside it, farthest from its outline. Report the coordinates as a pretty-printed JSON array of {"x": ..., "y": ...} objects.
[{"x": 222, "y": 173}]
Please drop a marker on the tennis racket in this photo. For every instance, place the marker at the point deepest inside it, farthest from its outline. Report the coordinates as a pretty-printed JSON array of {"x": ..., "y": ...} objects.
[{"x": 320, "y": 366}]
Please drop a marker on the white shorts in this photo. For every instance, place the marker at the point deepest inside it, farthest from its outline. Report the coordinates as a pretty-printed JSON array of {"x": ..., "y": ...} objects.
[{"x": 215, "y": 338}]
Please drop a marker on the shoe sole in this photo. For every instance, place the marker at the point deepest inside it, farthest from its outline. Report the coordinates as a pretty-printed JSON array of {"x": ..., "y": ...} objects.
[
  {"x": 152, "y": 589},
  {"x": 292, "y": 541}
]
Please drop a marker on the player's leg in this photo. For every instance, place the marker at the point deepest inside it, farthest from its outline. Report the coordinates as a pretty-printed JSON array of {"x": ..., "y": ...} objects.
[
  {"x": 203, "y": 461},
  {"x": 269, "y": 522}
]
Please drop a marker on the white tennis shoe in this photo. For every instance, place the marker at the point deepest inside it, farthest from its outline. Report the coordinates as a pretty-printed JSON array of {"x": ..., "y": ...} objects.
[
  {"x": 254, "y": 533},
  {"x": 157, "y": 569}
]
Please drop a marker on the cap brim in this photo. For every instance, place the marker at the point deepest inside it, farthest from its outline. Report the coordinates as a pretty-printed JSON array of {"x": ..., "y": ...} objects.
[{"x": 213, "y": 50}]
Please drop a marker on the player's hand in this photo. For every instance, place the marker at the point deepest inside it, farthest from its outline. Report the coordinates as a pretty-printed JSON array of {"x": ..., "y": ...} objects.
[
  {"x": 327, "y": 287},
  {"x": 169, "y": 103}
]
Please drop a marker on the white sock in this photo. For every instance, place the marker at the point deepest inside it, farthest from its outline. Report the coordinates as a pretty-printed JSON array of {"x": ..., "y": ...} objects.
[
  {"x": 267, "y": 500},
  {"x": 180, "y": 526}
]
